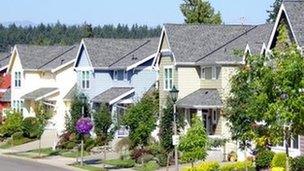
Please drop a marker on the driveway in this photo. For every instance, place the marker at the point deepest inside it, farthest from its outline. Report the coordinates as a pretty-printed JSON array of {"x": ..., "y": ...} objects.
[{"x": 12, "y": 164}]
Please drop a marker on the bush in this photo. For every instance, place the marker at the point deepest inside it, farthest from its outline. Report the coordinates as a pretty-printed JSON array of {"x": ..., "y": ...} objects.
[
  {"x": 121, "y": 163},
  {"x": 237, "y": 166},
  {"x": 17, "y": 136},
  {"x": 279, "y": 160},
  {"x": 31, "y": 127},
  {"x": 277, "y": 169},
  {"x": 145, "y": 158},
  {"x": 161, "y": 159},
  {"x": 89, "y": 143},
  {"x": 264, "y": 158},
  {"x": 138, "y": 152},
  {"x": 297, "y": 164},
  {"x": 150, "y": 166},
  {"x": 12, "y": 124},
  {"x": 70, "y": 145}
]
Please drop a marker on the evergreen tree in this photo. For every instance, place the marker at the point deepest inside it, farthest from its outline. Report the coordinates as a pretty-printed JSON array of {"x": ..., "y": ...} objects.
[
  {"x": 102, "y": 121},
  {"x": 272, "y": 14},
  {"x": 200, "y": 11}
]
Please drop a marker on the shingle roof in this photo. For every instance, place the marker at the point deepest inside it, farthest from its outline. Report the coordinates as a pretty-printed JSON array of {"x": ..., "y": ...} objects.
[
  {"x": 6, "y": 96},
  {"x": 210, "y": 43},
  {"x": 38, "y": 93},
  {"x": 201, "y": 98},
  {"x": 71, "y": 93},
  {"x": 119, "y": 53},
  {"x": 45, "y": 57},
  {"x": 4, "y": 59},
  {"x": 295, "y": 12},
  {"x": 112, "y": 93}
]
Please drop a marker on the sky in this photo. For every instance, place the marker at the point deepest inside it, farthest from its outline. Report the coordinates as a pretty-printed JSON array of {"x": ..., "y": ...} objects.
[{"x": 149, "y": 12}]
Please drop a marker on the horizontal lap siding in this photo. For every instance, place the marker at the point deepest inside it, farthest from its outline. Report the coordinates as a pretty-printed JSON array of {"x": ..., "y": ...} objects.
[{"x": 302, "y": 144}]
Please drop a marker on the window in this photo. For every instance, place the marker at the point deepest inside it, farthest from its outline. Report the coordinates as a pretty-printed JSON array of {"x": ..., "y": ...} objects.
[
  {"x": 119, "y": 75},
  {"x": 209, "y": 73},
  {"x": 18, "y": 79},
  {"x": 85, "y": 79},
  {"x": 214, "y": 116},
  {"x": 293, "y": 142},
  {"x": 125, "y": 75},
  {"x": 168, "y": 75},
  {"x": 18, "y": 105}
]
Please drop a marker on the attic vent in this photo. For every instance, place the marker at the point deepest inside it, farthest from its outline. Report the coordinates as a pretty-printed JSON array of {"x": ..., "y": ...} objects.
[
  {"x": 61, "y": 62},
  {"x": 206, "y": 92},
  {"x": 134, "y": 58}
]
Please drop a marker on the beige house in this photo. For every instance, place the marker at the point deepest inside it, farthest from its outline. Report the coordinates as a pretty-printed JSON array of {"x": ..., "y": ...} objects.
[{"x": 200, "y": 60}]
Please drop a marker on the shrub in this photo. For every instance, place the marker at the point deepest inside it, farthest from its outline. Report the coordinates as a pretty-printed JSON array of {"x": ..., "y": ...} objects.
[
  {"x": 264, "y": 158},
  {"x": 17, "y": 136},
  {"x": 279, "y": 160},
  {"x": 121, "y": 163},
  {"x": 31, "y": 127},
  {"x": 237, "y": 166},
  {"x": 12, "y": 124},
  {"x": 277, "y": 169},
  {"x": 145, "y": 158},
  {"x": 161, "y": 159},
  {"x": 89, "y": 143},
  {"x": 297, "y": 164},
  {"x": 70, "y": 145},
  {"x": 138, "y": 152},
  {"x": 150, "y": 166}
]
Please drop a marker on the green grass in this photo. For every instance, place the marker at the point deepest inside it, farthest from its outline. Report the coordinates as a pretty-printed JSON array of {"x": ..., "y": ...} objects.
[
  {"x": 11, "y": 143},
  {"x": 88, "y": 167},
  {"x": 150, "y": 166}
]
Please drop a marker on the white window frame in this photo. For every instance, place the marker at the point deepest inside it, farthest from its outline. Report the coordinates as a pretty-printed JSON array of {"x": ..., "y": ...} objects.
[
  {"x": 17, "y": 79},
  {"x": 213, "y": 72},
  {"x": 18, "y": 105},
  {"x": 215, "y": 116},
  {"x": 165, "y": 78},
  {"x": 291, "y": 144},
  {"x": 85, "y": 79},
  {"x": 125, "y": 75},
  {"x": 115, "y": 75}
]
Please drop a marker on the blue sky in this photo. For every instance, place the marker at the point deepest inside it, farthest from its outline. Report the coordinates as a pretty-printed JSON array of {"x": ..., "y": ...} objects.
[{"x": 150, "y": 12}]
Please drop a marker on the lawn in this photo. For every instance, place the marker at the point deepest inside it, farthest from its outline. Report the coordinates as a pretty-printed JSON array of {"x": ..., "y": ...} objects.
[
  {"x": 11, "y": 143},
  {"x": 88, "y": 167}
]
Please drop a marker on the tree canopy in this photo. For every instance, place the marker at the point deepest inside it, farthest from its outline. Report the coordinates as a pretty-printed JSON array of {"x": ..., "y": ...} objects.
[
  {"x": 50, "y": 34},
  {"x": 273, "y": 12},
  {"x": 200, "y": 12}
]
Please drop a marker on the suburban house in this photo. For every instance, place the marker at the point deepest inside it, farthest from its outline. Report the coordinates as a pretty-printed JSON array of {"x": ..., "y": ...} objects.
[
  {"x": 291, "y": 14},
  {"x": 115, "y": 72},
  {"x": 42, "y": 74},
  {"x": 200, "y": 60},
  {"x": 5, "y": 84}
]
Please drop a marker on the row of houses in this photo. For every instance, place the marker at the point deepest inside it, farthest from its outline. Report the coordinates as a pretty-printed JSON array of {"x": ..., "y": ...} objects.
[{"x": 198, "y": 59}]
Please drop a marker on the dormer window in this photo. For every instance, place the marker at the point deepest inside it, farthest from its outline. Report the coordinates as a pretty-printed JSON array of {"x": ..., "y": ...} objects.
[
  {"x": 119, "y": 75},
  {"x": 210, "y": 73},
  {"x": 17, "y": 81},
  {"x": 85, "y": 79}
]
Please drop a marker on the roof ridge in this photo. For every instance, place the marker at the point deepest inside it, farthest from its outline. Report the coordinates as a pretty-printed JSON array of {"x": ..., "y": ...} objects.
[
  {"x": 230, "y": 41},
  {"x": 70, "y": 48},
  {"x": 132, "y": 51}
]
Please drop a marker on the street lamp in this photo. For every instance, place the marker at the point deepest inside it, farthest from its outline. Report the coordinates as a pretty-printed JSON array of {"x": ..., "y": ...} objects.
[
  {"x": 174, "y": 96},
  {"x": 287, "y": 127},
  {"x": 83, "y": 99}
]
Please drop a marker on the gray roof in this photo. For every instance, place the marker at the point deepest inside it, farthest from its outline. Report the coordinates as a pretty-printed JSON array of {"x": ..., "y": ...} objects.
[
  {"x": 201, "y": 98},
  {"x": 45, "y": 57},
  {"x": 295, "y": 13},
  {"x": 6, "y": 96},
  {"x": 204, "y": 44},
  {"x": 4, "y": 59},
  {"x": 119, "y": 53},
  {"x": 111, "y": 94},
  {"x": 71, "y": 93},
  {"x": 38, "y": 93}
]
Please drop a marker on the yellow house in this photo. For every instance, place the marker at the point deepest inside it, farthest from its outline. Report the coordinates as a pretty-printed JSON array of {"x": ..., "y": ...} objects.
[
  {"x": 42, "y": 73},
  {"x": 200, "y": 60}
]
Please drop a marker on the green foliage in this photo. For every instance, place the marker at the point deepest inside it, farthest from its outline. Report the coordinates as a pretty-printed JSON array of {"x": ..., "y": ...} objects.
[
  {"x": 17, "y": 136},
  {"x": 278, "y": 169},
  {"x": 279, "y": 160},
  {"x": 141, "y": 120},
  {"x": 121, "y": 163},
  {"x": 150, "y": 166},
  {"x": 13, "y": 124},
  {"x": 237, "y": 166},
  {"x": 32, "y": 127},
  {"x": 297, "y": 163},
  {"x": 200, "y": 11},
  {"x": 217, "y": 142},
  {"x": 76, "y": 113},
  {"x": 272, "y": 14},
  {"x": 264, "y": 159},
  {"x": 102, "y": 122},
  {"x": 194, "y": 144},
  {"x": 68, "y": 35},
  {"x": 204, "y": 166}
]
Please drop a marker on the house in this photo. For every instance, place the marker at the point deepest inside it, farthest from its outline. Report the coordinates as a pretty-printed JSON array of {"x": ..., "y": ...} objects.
[
  {"x": 291, "y": 14},
  {"x": 115, "y": 72},
  {"x": 200, "y": 60},
  {"x": 42, "y": 73},
  {"x": 5, "y": 84}
]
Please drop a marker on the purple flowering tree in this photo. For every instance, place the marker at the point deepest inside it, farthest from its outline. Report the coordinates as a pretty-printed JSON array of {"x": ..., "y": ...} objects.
[{"x": 84, "y": 125}]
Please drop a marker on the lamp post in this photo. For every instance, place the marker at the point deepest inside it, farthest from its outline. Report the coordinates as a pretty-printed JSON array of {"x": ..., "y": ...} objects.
[
  {"x": 287, "y": 126},
  {"x": 174, "y": 96},
  {"x": 83, "y": 99}
]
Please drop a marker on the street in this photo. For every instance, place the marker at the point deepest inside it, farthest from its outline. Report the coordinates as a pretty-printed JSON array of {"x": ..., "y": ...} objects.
[{"x": 12, "y": 164}]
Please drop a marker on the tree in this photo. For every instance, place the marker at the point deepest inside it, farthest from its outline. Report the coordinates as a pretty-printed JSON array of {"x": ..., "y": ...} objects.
[
  {"x": 87, "y": 30},
  {"x": 102, "y": 122},
  {"x": 194, "y": 144},
  {"x": 200, "y": 11},
  {"x": 141, "y": 120},
  {"x": 272, "y": 14}
]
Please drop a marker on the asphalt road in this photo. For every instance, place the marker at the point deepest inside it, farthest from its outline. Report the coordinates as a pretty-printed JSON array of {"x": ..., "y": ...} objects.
[{"x": 12, "y": 164}]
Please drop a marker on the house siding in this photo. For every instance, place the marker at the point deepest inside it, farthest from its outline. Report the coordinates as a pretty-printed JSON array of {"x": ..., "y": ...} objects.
[{"x": 188, "y": 80}]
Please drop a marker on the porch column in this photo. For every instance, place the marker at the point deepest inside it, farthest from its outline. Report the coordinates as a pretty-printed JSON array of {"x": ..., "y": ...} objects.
[{"x": 200, "y": 114}]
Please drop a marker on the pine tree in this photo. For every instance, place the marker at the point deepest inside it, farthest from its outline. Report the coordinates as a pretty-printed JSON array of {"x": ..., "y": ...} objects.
[
  {"x": 272, "y": 14},
  {"x": 200, "y": 11}
]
